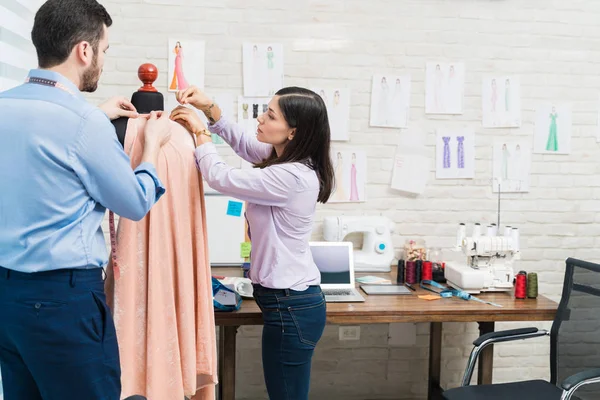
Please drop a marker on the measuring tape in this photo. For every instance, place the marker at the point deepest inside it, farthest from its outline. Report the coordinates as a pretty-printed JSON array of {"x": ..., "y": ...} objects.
[
  {"x": 111, "y": 215},
  {"x": 447, "y": 292},
  {"x": 113, "y": 244}
]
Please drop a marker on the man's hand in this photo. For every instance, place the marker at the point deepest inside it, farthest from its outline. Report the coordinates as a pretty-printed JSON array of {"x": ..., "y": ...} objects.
[
  {"x": 117, "y": 107},
  {"x": 157, "y": 131}
]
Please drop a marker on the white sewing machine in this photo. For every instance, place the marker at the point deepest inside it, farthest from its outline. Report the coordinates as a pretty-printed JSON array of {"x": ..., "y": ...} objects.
[
  {"x": 377, "y": 251},
  {"x": 489, "y": 263}
]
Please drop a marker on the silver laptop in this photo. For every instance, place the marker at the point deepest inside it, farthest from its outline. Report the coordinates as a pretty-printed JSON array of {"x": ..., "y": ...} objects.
[{"x": 336, "y": 263}]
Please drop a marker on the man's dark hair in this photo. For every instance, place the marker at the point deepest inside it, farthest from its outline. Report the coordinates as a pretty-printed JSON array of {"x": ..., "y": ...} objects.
[{"x": 61, "y": 24}]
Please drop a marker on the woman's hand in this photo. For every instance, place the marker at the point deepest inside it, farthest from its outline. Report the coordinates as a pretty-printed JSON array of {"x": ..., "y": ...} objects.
[
  {"x": 195, "y": 97},
  {"x": 202, "y": 102},
  {"x": 188, "y": 118}
]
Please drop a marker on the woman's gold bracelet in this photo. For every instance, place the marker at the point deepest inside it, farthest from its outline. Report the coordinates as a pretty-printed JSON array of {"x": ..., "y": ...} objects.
[{"x": 203, "y": 132}]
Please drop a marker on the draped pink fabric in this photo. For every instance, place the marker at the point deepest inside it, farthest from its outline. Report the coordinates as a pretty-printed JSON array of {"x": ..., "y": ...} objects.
[{"x": 162, "y": 298}]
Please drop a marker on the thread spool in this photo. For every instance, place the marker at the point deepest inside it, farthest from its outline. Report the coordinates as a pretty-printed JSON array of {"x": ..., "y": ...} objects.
[
  {"x": 532, "y": 285},
  {"x": 460, "y": 235},
  {"x": 521, "y": 285},
  {"x": 489, "y": 231},
  {"x": 515, "y": 238},
  {"x": 494, "y": 230},
  {"x": 400, "y": 276},
  {"x": 476, "y": 230},
  {"x": 411, "y": 272},
  {"x": 427, "y": 271},
  {"x": 507, "y": 231},
  {"x": 419, "y": 270}
]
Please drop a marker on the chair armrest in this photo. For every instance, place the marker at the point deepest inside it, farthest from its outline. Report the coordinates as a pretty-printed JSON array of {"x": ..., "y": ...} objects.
[
  {"x": 581, "y": 378},
  {"x": 495, "y": 337},
  {"x": 508, "y": 335}
]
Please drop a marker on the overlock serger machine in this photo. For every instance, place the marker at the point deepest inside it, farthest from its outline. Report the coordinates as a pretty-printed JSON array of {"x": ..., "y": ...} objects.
[
  {"x": 489, "y": 260},
  {"x": 377, "y": 252}
]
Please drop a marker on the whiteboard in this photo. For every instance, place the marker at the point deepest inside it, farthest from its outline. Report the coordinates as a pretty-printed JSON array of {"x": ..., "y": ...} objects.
[{"x": 226, "y": 230}]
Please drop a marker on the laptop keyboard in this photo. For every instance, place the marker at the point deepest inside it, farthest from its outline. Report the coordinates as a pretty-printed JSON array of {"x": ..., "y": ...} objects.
[{"x": 337, "y": 292}]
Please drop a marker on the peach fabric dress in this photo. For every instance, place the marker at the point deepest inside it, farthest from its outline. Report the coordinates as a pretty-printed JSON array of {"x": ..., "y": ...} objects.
[{"x": 161, "y": 290}]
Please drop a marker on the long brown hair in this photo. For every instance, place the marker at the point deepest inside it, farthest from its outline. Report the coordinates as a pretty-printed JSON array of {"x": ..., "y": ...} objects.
[{"x": 305, "y": 111}]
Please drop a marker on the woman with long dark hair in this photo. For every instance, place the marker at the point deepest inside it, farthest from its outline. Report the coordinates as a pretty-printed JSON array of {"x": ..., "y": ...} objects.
[{"x": 293, "y": 172}]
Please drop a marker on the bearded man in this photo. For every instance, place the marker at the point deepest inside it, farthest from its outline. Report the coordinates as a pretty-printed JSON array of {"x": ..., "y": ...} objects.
[{"x": 61, "y": 166}]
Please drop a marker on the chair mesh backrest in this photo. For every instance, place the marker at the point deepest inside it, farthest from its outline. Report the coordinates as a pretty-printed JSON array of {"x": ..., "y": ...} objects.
[{"x": 575, "y": 342}]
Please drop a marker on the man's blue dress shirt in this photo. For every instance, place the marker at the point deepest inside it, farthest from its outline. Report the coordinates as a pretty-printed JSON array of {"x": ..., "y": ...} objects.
[{"x": 61, "y": 166}]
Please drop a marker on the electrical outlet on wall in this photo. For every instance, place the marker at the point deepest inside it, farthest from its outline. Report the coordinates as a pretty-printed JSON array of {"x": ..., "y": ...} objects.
[{"x": 349, "y": 332}]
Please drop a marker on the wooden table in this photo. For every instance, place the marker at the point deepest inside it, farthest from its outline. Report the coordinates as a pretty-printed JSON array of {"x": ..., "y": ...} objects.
[{"x": 379, "y": 309}]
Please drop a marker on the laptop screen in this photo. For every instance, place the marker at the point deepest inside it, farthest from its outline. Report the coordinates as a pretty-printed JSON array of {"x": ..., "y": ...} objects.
[{"x": 333, "y": 260}]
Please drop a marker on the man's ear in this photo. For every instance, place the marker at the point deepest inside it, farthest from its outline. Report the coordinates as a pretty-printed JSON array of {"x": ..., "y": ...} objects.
[{"x": 85, "y": 53}]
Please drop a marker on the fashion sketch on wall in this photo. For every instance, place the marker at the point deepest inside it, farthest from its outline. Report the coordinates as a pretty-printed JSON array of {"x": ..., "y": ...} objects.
[
  {"x": 350, "y": 167},
  {"x": 444, "y": 87},
  {"x": 455, "y": 155},
  {"x": 390, "y": 101},
  {"x": 337, "y": 101},
  {"x": 552, "y": 129},
  {"x": 249, "y": 109},
  {"x": 263, "y": 69},
  {"x": 512, "y": 165},
  {"x": 501, "y": 102},
  {"x": 186, "y": 64}
]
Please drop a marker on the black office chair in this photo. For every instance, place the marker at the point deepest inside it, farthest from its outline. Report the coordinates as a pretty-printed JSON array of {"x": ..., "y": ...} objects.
[{"x": 574, "y": 347}]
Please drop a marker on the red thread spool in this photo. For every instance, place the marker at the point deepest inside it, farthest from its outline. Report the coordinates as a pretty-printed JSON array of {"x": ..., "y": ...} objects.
[
  {"x": 427, "y": 271},
  {"x": 521, "y": 285},
  {"x": 411, "y": 272}
]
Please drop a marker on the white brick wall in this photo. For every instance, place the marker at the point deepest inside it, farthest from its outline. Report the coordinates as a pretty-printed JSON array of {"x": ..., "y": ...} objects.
[{"x": 551, "y": 45}]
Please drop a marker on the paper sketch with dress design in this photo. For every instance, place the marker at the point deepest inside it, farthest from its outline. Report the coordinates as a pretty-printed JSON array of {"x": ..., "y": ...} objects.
[
  {"x": 186, "y": 64},
  {"x": 411, "y": 168},
  {"x": 249, "y": 109},
  {"x": 455, "y": 155},
  {"x": 511, "y": 167},
  {"x": 390, "y": 101},
  {"x": 553, "y": 129},
  {"x": 350, "y": 169},
  {"x": 337, "y": 101},
  {"x": 263, "y": 69},
  {"x": 501, "y": 102},
  {"x": 444, "y": 87}
]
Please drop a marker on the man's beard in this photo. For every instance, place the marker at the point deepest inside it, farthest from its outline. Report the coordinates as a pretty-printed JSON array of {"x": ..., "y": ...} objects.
[{"x": 91, "y": 76}]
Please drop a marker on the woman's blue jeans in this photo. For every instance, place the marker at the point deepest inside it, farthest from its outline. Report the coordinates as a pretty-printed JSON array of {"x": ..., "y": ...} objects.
[{"x": 293, "y": 324}]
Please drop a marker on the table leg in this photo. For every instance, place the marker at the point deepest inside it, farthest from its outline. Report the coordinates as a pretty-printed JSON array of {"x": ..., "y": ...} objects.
[
  {"x": 486, "y": 358},
  {"x": 435, "y": 361},
  {"x": 227, "y": 349}
]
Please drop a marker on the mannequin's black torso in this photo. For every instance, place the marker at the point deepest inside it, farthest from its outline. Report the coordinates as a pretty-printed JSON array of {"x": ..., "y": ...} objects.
[{"x": 144, "y": 103}]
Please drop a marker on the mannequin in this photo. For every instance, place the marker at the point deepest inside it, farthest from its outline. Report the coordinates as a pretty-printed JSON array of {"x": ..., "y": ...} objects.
[
  {"x": 145, "y": 100},
  {"x": 158, "y": 282}
]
